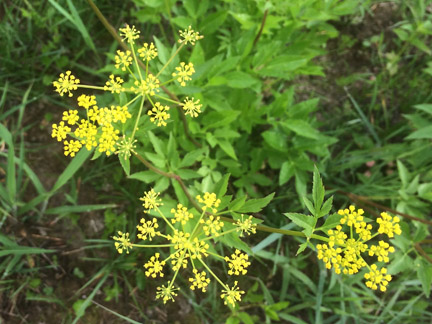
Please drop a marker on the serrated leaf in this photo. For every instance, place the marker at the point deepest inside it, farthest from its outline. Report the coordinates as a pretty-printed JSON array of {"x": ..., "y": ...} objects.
[
  {"x": 145, "y": 176},
  {"x": 403, "y": 173},
  {"x": 309, "y": 205},
  {"x": 304, "y": 221},
  {"x": 286, "y": 172},
  {"x": 220, "y": 188},
  {"x": 326, "y": 207},
  {"x": 425, "y": 132},
  {"x": 125, "y": 163},
  {"x": 318, "y": 190},
  {"x": 400, "y": 263},
  {"x": 302, "y": 247},
  {"x": 331, "y": 222},
  {"x": 424, "y": 274},
  {"x": 255, "y": 205},
  {"x": 227, "y": 147},
  {"x": 237, "y": 203}
]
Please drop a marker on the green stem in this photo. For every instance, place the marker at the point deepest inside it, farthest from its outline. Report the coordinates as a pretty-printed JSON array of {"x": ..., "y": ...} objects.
[
  {"x": 152, "y": 246},
  {"x": 170, "y": 59},
  {"x": 164, "y": 218},
  {"x": 261, "y": 228},
  {"x": 89, "y": 86},
  {"x": 216, "y": 277},
  {"x": 136, "y": 62},
  {"x": 138, "y": 117},
  {"x": 169, "y": 100}
]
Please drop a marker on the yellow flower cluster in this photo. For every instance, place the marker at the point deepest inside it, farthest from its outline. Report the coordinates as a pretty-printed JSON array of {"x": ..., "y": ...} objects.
[
  {"x": 344, "y": 253},
  {"x": 189, "y": 239},
  {"x": 97, "y": 129}
]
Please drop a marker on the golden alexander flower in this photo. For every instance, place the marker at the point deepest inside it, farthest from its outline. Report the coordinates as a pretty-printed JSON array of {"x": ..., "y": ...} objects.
[
  {"x": 159, "y": 114},
  {"x": 345, "y": 254},
  {"x": 151, "y": 200},
  {"x": 148, "y": 52},
  {"x": 189, "y": 36},
  {"x": 122, "y": 242},
  {"x": 66, "y": 83},
  {"x": 129, "y": 34},
  {"x": 192, "y": 108},
  {"x": 184, "y": 71},
  {"x": 231, "y": 295}
]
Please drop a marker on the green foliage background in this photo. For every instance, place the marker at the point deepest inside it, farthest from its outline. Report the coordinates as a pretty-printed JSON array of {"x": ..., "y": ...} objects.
[{"x": 343, "y": 85}]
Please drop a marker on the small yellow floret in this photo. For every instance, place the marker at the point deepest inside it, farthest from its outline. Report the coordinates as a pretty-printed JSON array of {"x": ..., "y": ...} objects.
[
  {"x": 181, "y": 215},
  {"x": 129, "y": 34},
  {"x": 123, "y": 60},
  {"x": 86, "y": 101},
  {"x": 122, "y": 242},
  {"x": 148, "y": 229},
  {"x": 154, "y": 266},
  {"x": 192, "y": 108},
  {"x": 71, "y": 117},
  {"x": 184, "y": 71},
  {"x": 189, "y": 36},
  {"x": 66, "y": 83},
  {"x": 245, "y": 226},
  {"x": 166, "y": 293},
  {"x": 237, "y": 263},
  {"x": 151, "y": 200},
  {"x": 389, "y": 225},
  {"x": 158, "y": 114},
  {"x": 148, "y": 52},
  {"x": 71, "y": 147},
  {"x": 210, "y": 201},
  {"x": 114, "y": 84},
  {"x": 231, "y": 295},
  {"x": 60, "y": 131},
  {"x": 377, "y": 278},
  {"x": 200, "y": 280}
]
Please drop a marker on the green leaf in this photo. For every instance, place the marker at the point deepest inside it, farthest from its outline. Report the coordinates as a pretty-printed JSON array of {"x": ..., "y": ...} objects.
[
  {"x": 309, "y": 205},
  {"x": 403, "y": 173},
  {"x": 192, "y": 157},
  {"x": 163, "y": 52},
  {"x": 71, "y": 169},
  {"x": 302, "y": 247},
  {"x": 220, "y": 188},
  {"x": 10, "y": 174},
  {"x": 302, "y": 128},
  {"x": 425, "y": 132},
  {"x": 212, "y": 22},
  {"x": 125, "y": 163},
  {"x": 227, "y": 148},
  {"x": 424, "y": 273},
  {"x": 158, "y": 144},
  {"x": 241, "y": 80},
  {"x": 255, "y": 205},
  {"x": 332, "y": 221},
  {"x": 304, "y": 221},
  {"x": 236, "y": 204},
  {"x": 145, "y": 176},
  {"x": 318, "y": 190},
  {"x": 424, "y": 107},
  {"x": 161, "y": 184},
  {"x": 400, "y": 263},
  {"x": 326, "y": 207},
  {"x": 286, "y": 172}
]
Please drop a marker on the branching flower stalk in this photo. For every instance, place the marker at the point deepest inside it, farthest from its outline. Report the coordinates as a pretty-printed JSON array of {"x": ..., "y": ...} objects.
[
  {"x": 190, "y": 239},
  {"x": 100, "y": 128},
  {"x": 345, "y": 253}
]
